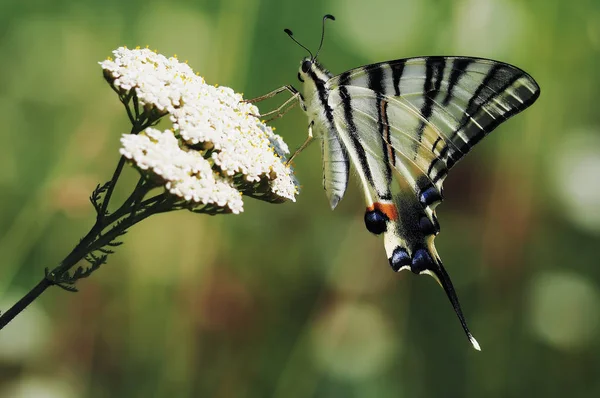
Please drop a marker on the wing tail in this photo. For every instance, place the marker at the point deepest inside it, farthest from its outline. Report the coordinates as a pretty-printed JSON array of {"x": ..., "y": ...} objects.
[
  {"x": 437, "y": 271},
  {"x": 409, "y": 242}
]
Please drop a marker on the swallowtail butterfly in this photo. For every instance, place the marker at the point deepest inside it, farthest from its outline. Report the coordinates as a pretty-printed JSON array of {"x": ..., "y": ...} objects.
[{"x": 408, "y": 120}]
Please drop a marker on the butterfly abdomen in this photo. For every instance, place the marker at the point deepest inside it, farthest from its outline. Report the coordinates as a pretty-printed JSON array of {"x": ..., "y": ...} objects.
[
  {"x": 336, "y": 167},
  {"x": 336, "y": 162}
]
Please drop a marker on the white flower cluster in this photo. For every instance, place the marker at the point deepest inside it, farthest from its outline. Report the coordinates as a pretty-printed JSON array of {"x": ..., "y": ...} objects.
[
  {"x": 187, "y": 174},
  {"x": 241, "y": 147},
  {"x": 158, "y": 81}
]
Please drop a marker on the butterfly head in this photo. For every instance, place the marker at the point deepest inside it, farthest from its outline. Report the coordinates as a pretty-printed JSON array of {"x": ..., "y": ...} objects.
[
  {"x": 304, "y": 68},
  {"x": 309, "y": 67},
  {"x": 311, "y": 70}
]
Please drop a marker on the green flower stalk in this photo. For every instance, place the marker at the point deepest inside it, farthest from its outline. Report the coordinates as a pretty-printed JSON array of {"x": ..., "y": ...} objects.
[{"x": 214, "y": 153}]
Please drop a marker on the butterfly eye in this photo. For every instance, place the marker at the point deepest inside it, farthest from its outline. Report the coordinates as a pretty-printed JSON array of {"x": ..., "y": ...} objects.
[
  {"x": 300, "y": 77},
  {"x": 306, "y": 66}
]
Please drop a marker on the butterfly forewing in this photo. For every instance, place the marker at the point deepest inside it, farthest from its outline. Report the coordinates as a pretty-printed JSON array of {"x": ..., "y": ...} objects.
[{"x": 445, "y": 105}]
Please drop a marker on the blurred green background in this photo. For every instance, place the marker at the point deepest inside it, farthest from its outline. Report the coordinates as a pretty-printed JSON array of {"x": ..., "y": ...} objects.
[{"x": 295, "y": 300}]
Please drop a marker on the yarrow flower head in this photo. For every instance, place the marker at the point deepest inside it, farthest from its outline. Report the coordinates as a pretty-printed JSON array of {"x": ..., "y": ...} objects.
[{"x": 216, "y": 149}]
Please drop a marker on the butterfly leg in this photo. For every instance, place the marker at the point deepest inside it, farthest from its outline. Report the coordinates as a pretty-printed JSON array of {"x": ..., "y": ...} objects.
[
  {"x": 283, "y": 109},
  {"x": 308, "y": 140},
  {"x": 273, "y": 93}
]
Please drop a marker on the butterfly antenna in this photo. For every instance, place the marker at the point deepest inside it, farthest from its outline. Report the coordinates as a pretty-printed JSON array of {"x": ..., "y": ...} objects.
[
  {"x": 291, "y": 35},
  {"x": 326, "y": 17}
]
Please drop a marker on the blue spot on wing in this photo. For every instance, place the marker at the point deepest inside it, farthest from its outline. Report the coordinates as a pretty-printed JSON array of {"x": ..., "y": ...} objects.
[
  {"x": 399, "y": 259},
  {"x": 430, "y": 196},
  {"x": 421, "y": 261},
  {"x": 427, "y": 227},
  {"x": 376, "y": 221}
]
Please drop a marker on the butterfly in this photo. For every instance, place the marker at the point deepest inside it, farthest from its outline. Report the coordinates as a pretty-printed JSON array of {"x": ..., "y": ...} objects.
[{"x": 402, "y": 125}]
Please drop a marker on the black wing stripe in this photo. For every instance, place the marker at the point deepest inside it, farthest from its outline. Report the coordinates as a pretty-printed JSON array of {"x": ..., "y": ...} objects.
[
  {"x": 386, "y": 134},
  {"x": 439, "y": 65},
  {"x": 459, "y": 67},
  {"x": 434, "y": 72},
  {"x": 344, "y": 78},
  {"x": 384, "y": 130},
  {"x": 441, "y": 173},
  {"x": 358, "y": 147},
  {"x": 375, "y": 82},
  {"x": 438, "y": 170},
  {"x": 397, "y": 71},
  {"x": 437, "y": 141}
]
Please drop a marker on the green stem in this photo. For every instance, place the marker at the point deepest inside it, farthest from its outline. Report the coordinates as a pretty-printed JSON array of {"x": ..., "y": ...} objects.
[
  {"x": 111, "y": 188},
  {"x": 24, "y": 302},
  {"x": 95, "y": 239},
  {"x": 118, "y": 229},
  {"x": 135, "y": 129}
]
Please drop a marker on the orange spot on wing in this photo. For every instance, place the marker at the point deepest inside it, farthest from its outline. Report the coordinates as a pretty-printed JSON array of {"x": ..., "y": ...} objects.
[{"x": 389, "y": 209}]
